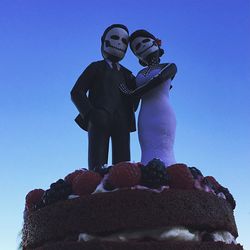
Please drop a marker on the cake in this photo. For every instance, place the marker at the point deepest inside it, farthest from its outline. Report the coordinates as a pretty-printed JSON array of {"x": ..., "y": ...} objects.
[{"x": 131, "y": 206}]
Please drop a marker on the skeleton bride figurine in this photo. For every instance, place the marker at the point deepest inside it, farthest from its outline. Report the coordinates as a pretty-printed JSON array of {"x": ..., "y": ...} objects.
[{"x": 156, "y": 120}]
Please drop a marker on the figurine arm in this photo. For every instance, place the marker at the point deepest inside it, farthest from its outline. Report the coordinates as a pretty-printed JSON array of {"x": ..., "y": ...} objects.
[
  {"x": 80, "y": 89},
  {"x": 166, "y": 72},
  {"x": 169, "y": 72},
  {"x": 133, "y": 87}
]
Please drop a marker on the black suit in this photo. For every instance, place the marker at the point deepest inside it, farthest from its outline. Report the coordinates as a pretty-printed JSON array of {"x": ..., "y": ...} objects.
[{"x": 105, "y": 113}]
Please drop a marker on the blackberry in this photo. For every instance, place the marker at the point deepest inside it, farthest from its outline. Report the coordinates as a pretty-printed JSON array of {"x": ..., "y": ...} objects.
[
  {"x": 58, "y": 184},
  {"x": 59, "y": 190},
  {"x": 102, "y": 170},
  {"x": 195, "y": 172},
  {"x": 154, "y": 174}
]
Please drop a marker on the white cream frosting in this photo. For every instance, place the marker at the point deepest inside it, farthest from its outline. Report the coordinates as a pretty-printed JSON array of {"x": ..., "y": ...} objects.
[
  {"x": 197, "y": 184},
  {"x": 180, "y": 233},
  {"x": 225, "y": 237},
  {"x": 100, "y": 188},
  {"x": 174, "y": 233},
  {"x": 73, "y": 196}
]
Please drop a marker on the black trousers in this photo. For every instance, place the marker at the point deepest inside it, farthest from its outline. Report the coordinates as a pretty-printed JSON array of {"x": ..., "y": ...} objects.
[{"x": 116, "y": 129}]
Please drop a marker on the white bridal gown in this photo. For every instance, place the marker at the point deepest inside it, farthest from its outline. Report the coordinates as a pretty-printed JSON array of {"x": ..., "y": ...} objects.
[{"x": 156, "y": 121}]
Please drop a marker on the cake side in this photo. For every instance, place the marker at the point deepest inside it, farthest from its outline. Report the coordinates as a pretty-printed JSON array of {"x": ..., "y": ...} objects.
[
  {"x": 105, "y": 213},
  {"x": 131, "y": 203},
  {"x": 169, "y": 245}
]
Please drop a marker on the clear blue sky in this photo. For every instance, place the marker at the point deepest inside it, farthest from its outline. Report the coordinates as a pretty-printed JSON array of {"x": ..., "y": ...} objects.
[{"x": 45, "y": 45}]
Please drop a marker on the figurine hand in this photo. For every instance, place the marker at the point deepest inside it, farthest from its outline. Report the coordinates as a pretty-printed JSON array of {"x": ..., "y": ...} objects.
[
  {"x": 167, "y": 72},
  {"x": 124, "y": 89}
]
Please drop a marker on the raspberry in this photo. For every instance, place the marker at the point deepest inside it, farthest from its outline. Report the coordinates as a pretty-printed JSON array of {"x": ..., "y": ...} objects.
[
  {"x": 86, "y": 182},
  {"x": 180, "y": 176},
  {"x": 124, "y": 174},
  {"x": 70, "y": 177},
  {"x": 33, "y": 198}
]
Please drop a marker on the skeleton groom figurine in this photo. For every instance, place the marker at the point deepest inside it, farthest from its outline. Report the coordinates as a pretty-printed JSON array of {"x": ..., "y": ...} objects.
[{"x": 105, "y": 112}]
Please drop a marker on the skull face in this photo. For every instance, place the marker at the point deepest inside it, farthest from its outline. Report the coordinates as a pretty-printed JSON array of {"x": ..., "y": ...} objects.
[
  {"x": 142, "y": 47},
  {"x": 115, "y": 44}
]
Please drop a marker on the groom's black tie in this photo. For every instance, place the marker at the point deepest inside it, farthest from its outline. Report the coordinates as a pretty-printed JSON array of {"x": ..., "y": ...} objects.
[{"x": 114, "y": 66}]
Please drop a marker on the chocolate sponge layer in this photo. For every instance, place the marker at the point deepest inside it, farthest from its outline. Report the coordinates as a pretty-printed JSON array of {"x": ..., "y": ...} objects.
[
  {"x": 104, "y": 213},
  {"x": 165, "y": 245}
]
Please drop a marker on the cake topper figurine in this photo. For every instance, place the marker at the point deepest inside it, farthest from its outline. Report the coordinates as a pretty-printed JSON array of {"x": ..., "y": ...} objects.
[
  {"x": 105, "y": 112},
  {"x": 156, "y": 121}
]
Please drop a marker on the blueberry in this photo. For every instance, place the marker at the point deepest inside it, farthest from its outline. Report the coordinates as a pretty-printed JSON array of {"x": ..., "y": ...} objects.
[{"x": 107, "y": 186}]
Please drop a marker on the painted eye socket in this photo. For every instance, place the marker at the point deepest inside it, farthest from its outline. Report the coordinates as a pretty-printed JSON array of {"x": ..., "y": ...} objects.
[
  {"x": 145, "y": 40},
  {"x": 124, "y": 40},
  {"x": 115, "y": 37},
  {"x": 138, "y": 46}
]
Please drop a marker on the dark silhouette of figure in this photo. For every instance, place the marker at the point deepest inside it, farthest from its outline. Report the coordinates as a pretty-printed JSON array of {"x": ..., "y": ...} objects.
[{"x": 105, "y": 112}]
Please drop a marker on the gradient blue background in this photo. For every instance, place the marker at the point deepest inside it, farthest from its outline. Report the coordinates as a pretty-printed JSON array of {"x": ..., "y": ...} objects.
[{"x": 45, "y": 45}]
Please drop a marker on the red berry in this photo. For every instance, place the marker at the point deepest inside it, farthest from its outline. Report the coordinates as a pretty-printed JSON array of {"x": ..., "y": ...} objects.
[
  {"x": 124, "y": 174},
  {"x": 212, "y": 180},
  {"x": 180, "y": 176},
  {"x": 33, "y": 198},
  {"x": 86, "y": 182},
  {"x": 138, "y": 164},
  {"x": 70, "y": 177}
]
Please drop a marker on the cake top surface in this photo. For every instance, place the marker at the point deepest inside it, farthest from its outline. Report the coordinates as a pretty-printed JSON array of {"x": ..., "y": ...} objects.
[{"x": 153, "y": 177}]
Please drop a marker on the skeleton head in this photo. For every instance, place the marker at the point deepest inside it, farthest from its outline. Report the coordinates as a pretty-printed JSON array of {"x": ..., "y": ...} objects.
[
  {"x": 143, "y": 46},
  {"x": 115, "y": 43}
]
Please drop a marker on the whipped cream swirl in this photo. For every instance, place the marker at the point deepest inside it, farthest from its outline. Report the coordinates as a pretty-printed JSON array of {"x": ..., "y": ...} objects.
[{"x": 174, "y": 233}]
